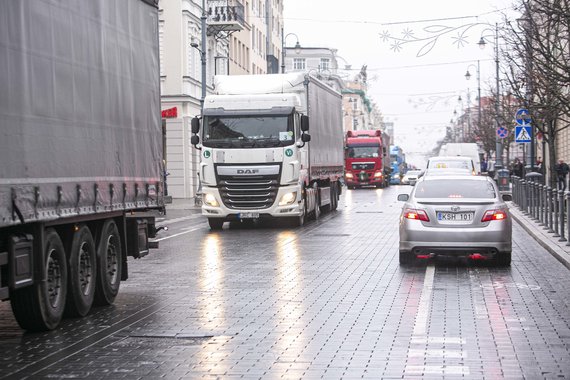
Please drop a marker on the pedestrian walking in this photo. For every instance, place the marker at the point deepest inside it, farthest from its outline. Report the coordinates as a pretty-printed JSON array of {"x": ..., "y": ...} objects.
[
  {"x": 518, "y": 168},
  {"x": 491, "y": 168},
  {"x": 562, "y": 170}
]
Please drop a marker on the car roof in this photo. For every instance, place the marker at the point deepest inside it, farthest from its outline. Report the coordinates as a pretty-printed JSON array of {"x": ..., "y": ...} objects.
[
  {"x": 450, "y": 158},
  {"x": 454, "y": 176}
]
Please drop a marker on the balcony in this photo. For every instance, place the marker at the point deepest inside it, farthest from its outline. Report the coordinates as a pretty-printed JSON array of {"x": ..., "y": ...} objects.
[{"x": 224, "y": 16}]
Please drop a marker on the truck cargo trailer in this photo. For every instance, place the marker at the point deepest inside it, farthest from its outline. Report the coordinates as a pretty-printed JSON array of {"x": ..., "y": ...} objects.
[{"x": 80, "y": 151}]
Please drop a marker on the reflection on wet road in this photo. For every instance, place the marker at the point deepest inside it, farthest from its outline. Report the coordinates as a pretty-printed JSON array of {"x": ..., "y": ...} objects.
[{"x": 328, "y": 300}]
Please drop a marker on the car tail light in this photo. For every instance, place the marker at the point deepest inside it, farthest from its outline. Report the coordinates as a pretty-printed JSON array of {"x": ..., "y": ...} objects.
[
  {"x": 494, "y": 215},
  {"x": 412, "y": 213}
]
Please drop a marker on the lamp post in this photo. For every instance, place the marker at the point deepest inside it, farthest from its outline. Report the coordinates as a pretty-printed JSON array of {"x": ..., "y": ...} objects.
[
  {"x": 498, "y": 143},
  {"x": 297, "y": 47},
  {"x": 202, "y": 51},
  {"x": 468, "y": 76}
]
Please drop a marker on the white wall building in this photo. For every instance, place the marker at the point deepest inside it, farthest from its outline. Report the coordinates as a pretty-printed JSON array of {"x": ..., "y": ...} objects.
[{"x": 243, "y": 37}]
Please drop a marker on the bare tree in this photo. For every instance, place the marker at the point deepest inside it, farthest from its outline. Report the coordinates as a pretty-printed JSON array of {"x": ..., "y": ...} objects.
[{"x": 538, "y": 66}]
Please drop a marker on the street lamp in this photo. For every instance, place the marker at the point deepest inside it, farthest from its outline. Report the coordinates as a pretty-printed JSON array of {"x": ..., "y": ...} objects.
[
  {"x": 468, "y": 76},
  {"x": 203, "y": 60},
  {"x": 297, "y": 48},
  {"x": 498, "y": 144}
]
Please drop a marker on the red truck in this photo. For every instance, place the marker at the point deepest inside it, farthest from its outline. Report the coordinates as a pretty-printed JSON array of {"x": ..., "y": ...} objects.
[{"x": 367, "y": 161}]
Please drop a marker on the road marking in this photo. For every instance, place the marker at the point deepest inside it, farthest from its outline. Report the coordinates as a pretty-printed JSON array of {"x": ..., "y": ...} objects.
[
  {"x": 180, "y": 233},
  {"x": 438, "y": 340},
  {"x": 181, "y": 219},
  {"x": 435, "y": 353},
  {"x": 437, "y": 370},
  {"x": 422, "y": 315}
]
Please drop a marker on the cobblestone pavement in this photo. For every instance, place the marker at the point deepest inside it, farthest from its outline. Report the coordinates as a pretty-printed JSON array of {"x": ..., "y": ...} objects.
[{"x": 328, "y": 300}]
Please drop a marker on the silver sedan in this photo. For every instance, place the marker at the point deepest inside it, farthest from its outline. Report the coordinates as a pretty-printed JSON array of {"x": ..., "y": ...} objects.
[{"x": 455, "y": 216}]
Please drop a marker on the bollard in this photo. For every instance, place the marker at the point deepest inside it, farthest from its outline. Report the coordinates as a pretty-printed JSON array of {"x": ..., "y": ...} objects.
[
  {"x": 524, "y": 194},
  {"x": 561, "y": 214},
  {"x": 542, "y": 208},
  {"x": 556, "y": 206},
  {"x": 568, "y": 214},
  {"x": 549, "y": 207}
]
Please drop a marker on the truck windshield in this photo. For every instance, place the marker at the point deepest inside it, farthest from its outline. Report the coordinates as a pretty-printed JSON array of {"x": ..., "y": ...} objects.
[
  {"x": 363, "y": 151},
  {"x": 248, "y": 131}
]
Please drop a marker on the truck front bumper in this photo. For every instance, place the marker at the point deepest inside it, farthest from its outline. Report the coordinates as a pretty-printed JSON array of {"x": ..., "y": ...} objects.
[{"x": 218, "y": 209}]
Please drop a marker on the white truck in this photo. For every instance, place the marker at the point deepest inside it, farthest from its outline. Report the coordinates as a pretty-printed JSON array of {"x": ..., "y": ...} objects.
[
  {"x": 470, "y": 150},
  {"x": 258, "y": 160}
]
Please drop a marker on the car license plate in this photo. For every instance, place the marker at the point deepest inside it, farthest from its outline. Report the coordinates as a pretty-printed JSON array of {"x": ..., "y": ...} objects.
[
  {"x": 248, "y": 215},
  {"x": 455, "y": 216}
]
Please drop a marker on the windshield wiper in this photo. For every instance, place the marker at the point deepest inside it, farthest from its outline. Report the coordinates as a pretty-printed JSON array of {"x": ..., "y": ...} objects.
[{"x": 268, "y": 142}]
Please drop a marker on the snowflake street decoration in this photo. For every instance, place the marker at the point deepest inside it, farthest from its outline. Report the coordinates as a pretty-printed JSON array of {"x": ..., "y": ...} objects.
[{"x": 432, "y": 35}]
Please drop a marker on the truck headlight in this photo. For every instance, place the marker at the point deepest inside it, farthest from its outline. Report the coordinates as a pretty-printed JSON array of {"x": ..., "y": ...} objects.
[
  {"x": 378, "y": 175},
  {"x": 288, "y": 199},
  {"x": 349, "y": 175},
  {"x": 210, "y": 200}
]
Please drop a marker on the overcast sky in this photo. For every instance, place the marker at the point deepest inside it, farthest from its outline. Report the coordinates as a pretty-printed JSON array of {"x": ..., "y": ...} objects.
[{"x": 419, "y": 94}]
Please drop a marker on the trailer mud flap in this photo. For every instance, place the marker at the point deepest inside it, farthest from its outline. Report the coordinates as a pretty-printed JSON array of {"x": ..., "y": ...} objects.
[
  {"x": 137, "y": 237},
  {"x": 20, "y": 260}
]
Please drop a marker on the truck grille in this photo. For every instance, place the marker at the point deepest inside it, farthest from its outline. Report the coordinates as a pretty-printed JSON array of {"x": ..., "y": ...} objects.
[
  {"x": 249, "y": 192},
  {"x": 363, "y": 166}
]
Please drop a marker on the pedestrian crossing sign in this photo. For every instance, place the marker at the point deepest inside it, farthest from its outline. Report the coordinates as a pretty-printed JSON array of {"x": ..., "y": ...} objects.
[{"x": 523, "y": 134}]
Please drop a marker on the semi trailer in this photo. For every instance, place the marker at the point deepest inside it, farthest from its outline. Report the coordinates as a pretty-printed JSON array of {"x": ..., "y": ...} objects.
[{"x": 80, "y": 152}]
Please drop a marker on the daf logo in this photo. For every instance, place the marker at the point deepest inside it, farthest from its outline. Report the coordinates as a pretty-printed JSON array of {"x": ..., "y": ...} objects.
[
  {"x": 455, "y": 208},
  {"x": 247, "y": 171}
]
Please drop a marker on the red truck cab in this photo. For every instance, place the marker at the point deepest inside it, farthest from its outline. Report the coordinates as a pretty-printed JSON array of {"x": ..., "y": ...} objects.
[{"x": 366, "y": 160}]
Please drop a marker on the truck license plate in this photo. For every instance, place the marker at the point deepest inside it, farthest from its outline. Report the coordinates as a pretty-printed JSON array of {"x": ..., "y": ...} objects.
[
  {"x": 248, "y": 215},
  {"x": 455, "y": 216}
]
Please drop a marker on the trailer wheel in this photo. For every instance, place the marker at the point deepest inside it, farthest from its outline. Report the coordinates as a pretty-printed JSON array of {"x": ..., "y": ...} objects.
[
  {"x": 109, "y": 264},
  {"x": 40, "y": 307},
  {"x": 82, "y": 267},
  {"x": 216, "y": 223}
]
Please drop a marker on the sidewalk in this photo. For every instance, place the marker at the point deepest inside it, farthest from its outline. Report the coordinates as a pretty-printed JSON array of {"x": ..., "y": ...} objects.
[
  {"x": 557, "y": 248},
  {"x": 183, "y": 204}
]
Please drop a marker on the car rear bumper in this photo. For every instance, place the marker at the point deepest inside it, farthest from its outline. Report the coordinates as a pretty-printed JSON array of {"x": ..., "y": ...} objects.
[{"x": 496, "y": 237}]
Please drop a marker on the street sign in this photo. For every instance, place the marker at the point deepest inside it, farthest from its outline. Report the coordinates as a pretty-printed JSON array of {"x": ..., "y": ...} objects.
[
  {"x": 502, "y": 132},
  {"x": 523, "y": 134},
  {"x": 522, "y": 117}
]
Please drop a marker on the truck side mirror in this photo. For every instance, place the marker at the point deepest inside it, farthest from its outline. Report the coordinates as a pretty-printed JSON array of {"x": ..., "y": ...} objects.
[
  {"x": 305, "y": 138},
  {"x": 194, "y": 140},
  {"x": 195, "y": 124},
  {"x": 304, "y": 123}
]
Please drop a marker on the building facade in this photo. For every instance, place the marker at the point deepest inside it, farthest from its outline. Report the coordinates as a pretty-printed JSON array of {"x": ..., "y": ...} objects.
[{"x": 242, "y": 37}]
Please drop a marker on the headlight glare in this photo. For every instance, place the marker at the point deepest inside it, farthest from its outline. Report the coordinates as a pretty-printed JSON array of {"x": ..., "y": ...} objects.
[
  {"x": 288, "y": 199},
  {"x": 210, "y": 200}
]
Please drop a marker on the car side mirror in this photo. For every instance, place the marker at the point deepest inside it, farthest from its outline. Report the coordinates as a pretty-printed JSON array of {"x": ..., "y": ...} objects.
[
  {"x": 195, "y": 125},
  {"x": 304, "y": 123},
  {"x": 507, "y": 197},
  {"x": 403, "y": 197}
]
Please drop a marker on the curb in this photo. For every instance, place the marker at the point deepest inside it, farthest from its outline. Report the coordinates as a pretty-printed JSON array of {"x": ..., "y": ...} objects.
[{"x": 541, "y": 238}]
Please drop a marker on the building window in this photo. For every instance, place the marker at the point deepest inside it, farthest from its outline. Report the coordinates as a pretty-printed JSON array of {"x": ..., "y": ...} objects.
[
  {"x": 325, "y": 64},
  {"x": 298, "y": 63}
]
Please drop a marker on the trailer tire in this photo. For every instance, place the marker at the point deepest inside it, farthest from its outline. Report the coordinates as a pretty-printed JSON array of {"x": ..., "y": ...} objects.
[
  {"x": 216, "y": 224},
  {"x": 40, "y": 307},
  {"x": 109, "y": 264},
  {"x": 82, "y": 268}
]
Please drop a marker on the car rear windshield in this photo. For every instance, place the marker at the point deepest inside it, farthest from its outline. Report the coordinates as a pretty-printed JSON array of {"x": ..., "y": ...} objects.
[{"x": 454, "y": 188}]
